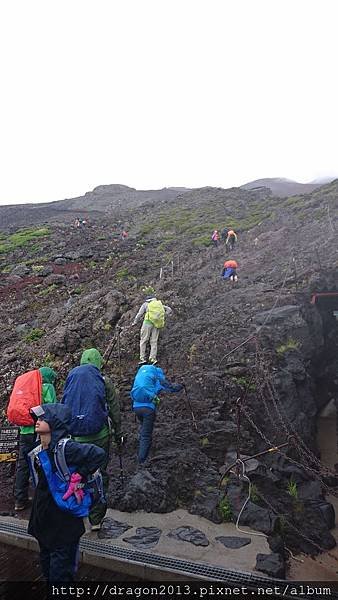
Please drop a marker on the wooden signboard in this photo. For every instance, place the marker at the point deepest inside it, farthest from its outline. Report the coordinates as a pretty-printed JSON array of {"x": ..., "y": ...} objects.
[{"x": 9, "y": 444}]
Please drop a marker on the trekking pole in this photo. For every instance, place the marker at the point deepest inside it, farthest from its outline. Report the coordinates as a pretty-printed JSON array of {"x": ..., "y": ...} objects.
[
  {"x": 318, "y": 258},
  {"x": 121, "y": 467},
  {"x": 295, "y": 271},
  {"x": 109, "y": 350},
  {"x": 238, "y": 419},
  {"x": 194, "y": 422},
  {"x": 119, "y": 350}
]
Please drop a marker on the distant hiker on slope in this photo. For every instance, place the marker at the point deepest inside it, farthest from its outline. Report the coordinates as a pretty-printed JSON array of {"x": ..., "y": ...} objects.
[
  {"x": 148, "y": 383},
  {"x": 58, "y": 530},
  {"x": 95, "y": 410},
  {"x": 230, "y": 270},
  {"x": 224, "y": 234},
  {"x": 215, "y": 238},
  {"x": 231, "y": 240},
  {"x": 30, "y": 389},
  {"x": 154, "y": 320},
  {"x": 124, "y": 235}
]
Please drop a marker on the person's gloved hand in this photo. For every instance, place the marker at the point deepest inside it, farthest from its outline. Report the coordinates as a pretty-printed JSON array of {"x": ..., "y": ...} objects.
[
  {"x": 119, "y": 440},
  {"x": 75, "y": 487},
  {"x": 156, "y": 400}
]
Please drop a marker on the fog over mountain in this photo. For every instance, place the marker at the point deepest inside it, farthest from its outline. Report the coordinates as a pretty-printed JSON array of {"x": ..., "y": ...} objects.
[{"x": 280, "y": 186}]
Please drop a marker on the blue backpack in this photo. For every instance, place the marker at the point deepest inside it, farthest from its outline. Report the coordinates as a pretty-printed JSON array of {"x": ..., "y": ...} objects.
[
  {"x": 58, "y": 480},
  {"x": 85, "y": 394}
]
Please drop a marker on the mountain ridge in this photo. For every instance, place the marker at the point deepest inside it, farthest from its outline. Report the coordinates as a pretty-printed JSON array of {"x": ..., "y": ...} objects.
[{"x": 283, "y": 187}]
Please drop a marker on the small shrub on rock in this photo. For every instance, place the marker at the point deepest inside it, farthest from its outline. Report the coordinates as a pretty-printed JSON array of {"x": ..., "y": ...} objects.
[
  {"x": 290, "y": 344},
  {"x": 225, "y": 510},
  {"x": 33, "y": 335}
]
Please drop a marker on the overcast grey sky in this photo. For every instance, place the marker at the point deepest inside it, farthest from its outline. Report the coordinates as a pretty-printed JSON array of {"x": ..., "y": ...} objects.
[{"x": 155, "y": 93}]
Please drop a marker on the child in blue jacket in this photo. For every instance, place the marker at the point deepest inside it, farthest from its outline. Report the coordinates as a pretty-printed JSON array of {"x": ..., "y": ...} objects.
[
  {"x": 148, "y": 383},
  {"x": 57, "y": 531}
]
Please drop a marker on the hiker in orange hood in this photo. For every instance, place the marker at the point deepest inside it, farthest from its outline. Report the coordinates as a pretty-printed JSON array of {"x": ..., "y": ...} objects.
[{"x": 230, "y": 270}]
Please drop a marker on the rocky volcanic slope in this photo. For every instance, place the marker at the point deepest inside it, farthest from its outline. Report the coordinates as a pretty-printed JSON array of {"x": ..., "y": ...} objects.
[
  {"x": 104, "y": 199},
  {"x": 63, "y": 290}
]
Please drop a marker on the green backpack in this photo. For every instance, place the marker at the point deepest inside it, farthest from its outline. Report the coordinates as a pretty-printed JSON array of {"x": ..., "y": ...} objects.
[{"x": 156, "y": 313}]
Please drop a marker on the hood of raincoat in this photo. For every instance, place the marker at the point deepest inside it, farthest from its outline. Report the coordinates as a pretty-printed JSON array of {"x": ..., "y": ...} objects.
[
  {"x": 48, "y": 375},
  {"x": 58, "y": 418},
  {"x": 92, "y": 357}
]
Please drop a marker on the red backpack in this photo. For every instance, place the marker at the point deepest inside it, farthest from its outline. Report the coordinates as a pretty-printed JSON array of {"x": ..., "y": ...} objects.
[{"x": 27, "y": 392}]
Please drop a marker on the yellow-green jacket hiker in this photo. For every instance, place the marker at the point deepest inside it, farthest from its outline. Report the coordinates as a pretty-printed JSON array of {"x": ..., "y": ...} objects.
[{"x": 154, "y": 313}]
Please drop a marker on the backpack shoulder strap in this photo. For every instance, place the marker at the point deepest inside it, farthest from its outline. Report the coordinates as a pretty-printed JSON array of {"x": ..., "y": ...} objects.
[
  {"x": 60, "y": 459},
  {"x": 31, "y": 456}
]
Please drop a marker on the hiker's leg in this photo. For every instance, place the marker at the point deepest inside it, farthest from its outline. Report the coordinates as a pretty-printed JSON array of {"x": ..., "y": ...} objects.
[
  {"x": 139, "y": 414},
  {"x": 147, "y": 418},
  {"x": 45, "y": 561},
  {"x": 144, "y": 337},
  {"x": 98, "y": 512},
  {"x": 63, "y": 563},
  {"x": 27, "y": 443},
  {"x": 153, "y": 343}
]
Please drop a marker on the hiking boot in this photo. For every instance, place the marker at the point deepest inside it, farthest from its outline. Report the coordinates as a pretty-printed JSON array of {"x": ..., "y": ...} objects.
[
  {"x": 142, "y": 362},
  {"x": 21, "y": 505},
  {"x": 153, "y": 361}
]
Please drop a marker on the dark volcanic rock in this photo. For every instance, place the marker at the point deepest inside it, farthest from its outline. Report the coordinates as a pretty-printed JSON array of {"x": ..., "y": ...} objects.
[
  {"x": 171, "y": 480},
  {"x": 144, "y": 492},
  {"x": 60, "y": 260},
  {"x": 206, "y": 505},
  {"x": 271, "y": 564},
  {"x": 254, "y": 516},
  {"x": 112, "y": 529},
  {"x": 189, "y": 534},
  {"x": 310, "y": 490},
  {"x": 56, "y": 278},
  {"x": 146, "y": 537},
  {"x": 63, "y": 341},
  {"x": 233, "y": 542},
  {"x": 20, "y": 270},
  {"x": 276, "y": 544},
  {"x": 284, "y": 314},
  {"x": 13, "y": 279},
  {"x": 47, "y": 270},
  {"x": 326, "y": 511},
  {"x": 22, "y": 327},
  {"x": 83, "y": 253}
]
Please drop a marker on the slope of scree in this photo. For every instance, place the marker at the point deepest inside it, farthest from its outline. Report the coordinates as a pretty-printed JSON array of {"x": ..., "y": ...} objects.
[{"x": 63, "y": 290}]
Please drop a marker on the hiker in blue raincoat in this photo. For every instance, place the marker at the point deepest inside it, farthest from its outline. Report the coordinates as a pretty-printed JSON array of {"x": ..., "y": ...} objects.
[
  {"x": 57, "y": 530},
  {"x": 148, "y": 383}
]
